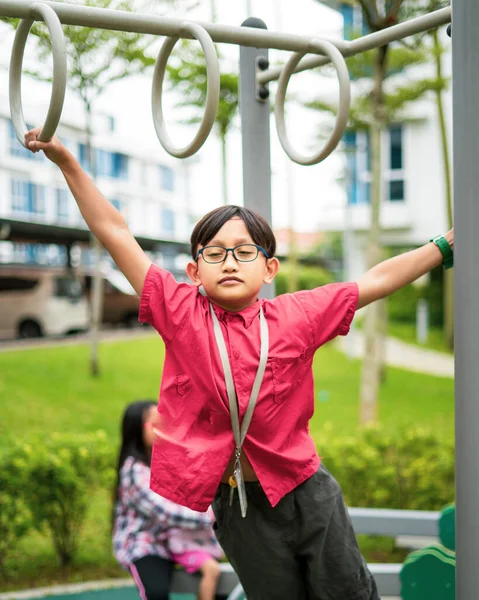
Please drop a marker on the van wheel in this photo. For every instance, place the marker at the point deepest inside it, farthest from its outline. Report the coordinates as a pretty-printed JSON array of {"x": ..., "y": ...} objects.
[{"x": 29, "y": 329}]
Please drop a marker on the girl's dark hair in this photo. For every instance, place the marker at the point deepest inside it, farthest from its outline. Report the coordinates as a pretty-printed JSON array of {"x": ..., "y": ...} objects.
[
  {"x": 258, "y": 228},
  {"x": 132, "y": 439}
]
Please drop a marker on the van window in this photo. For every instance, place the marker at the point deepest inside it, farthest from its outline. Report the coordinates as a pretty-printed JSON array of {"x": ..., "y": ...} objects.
[
  {"x": 16, "y": 284},
  {"x": 67, "y": 287}
]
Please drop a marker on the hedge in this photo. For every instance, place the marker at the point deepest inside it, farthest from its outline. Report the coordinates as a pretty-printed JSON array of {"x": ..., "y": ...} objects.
[{"x": 46, "y": 484}]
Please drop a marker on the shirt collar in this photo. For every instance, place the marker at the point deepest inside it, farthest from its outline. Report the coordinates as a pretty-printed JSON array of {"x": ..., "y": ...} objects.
[{"x": 247, "y": 315}]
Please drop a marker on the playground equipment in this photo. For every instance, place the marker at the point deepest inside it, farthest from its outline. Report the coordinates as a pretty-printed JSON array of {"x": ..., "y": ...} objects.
[
  {"x": 430, "y": 572},
  {"x": 255, "y": 76}
]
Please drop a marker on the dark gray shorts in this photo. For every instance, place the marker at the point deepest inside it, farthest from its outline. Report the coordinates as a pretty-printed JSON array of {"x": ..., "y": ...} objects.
[{"x": 303, "y": 548}]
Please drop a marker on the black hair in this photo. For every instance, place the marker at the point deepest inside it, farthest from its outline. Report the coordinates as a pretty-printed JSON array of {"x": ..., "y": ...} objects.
[
  {"x": 258, "y": 228},
  {"x": 132, "y": 443}
]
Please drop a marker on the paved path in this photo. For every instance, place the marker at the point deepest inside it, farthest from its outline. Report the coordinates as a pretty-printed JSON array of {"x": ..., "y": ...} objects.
[{"x": 405, "y": 356}]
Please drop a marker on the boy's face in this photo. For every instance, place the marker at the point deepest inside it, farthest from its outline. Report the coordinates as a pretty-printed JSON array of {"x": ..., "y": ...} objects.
[{"x": 232, "y": 284}]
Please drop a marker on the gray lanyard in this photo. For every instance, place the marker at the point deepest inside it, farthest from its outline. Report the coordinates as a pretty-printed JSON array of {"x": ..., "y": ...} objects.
[{"x": 239, "y": 433}]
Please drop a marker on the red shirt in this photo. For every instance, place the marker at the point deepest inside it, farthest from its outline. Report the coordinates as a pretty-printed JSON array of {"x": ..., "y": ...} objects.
[{"x": 196, "y": 440}]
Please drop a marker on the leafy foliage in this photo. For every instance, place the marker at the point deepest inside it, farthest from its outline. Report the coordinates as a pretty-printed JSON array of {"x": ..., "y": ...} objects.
[
  {"x": 57, "y": 476},
  {"x": 410, "y": 469}
]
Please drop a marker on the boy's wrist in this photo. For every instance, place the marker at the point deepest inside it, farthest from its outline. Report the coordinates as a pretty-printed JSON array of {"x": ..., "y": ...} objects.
[{"x": 67, "y": 162}]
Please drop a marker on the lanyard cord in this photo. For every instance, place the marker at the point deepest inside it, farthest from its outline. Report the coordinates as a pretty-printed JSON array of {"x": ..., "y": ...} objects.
[{"x": 240, "y": 433}]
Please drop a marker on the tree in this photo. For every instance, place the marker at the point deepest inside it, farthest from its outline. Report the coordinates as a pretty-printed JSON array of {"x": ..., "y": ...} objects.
[
  {"x": 373, "y": 109},
  {"x": 438, "y": 51},
  {"x": 96, "y": 58},
  {"x": 187, "y": 75}
]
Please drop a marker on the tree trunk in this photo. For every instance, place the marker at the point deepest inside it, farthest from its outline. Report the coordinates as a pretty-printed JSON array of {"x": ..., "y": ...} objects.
[
  {"x": 224, "y": 167},
  {"x": 213, "y": 11},
  {"x": 292, "y": 248},
  {"x": 448, "y": 275},
  {"x": 374, "y": 321},
  {"x": 96, "y": 300}
]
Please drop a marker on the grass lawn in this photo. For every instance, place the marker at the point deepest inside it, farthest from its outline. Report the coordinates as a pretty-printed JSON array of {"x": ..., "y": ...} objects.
[{"x": 51, "y": 390}]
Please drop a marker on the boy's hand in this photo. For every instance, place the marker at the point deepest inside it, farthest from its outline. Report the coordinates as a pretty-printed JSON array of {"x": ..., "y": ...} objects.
[{"x": 54, "y": 149}]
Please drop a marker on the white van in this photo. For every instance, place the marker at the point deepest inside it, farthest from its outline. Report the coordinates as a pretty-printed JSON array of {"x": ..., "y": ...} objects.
[{"x": 36, "y": 301}]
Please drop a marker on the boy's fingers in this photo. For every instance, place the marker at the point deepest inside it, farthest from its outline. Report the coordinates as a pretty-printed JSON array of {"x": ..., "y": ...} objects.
[{"x": 35, "y": 145}]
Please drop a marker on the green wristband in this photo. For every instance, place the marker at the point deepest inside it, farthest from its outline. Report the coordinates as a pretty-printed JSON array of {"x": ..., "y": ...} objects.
[{"x": 446, "y": 251}]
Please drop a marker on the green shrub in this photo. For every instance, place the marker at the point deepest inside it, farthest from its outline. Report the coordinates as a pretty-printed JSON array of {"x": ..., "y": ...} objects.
[
  {"x": 411, "y": 469},
  {"x": 402, "y": 305},
  {"x": 63, "y": 471},
  {"x": 15, "y": 516},
  {"x": 308, "y": 278}
]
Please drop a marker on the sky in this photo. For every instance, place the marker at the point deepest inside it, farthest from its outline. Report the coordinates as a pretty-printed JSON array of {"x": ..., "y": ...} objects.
[{"x": 299, "y": 194}]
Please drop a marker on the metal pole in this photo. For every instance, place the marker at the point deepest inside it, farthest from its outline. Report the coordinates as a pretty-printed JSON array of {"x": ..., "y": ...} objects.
[
  {"x": 255, "y": 114},
  {"x": 466, "y": 294}
]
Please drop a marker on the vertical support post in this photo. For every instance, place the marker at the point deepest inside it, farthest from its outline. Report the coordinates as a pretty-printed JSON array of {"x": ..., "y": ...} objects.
[
  {"x": 465, "y": 43},
  {"x": 255, "y": 115}
]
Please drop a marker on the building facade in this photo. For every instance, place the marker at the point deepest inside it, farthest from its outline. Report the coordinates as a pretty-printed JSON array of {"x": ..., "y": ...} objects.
[
  {"x": 151, "y": 194},
  {"x": 413, "y": 184}
]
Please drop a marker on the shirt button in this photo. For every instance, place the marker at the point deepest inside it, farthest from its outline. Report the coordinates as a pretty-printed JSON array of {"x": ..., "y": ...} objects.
[{"x": 236, "y": 354}]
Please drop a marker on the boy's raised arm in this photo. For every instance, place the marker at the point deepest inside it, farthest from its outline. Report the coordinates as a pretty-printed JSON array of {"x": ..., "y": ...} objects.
[
  {"x": 102, "y": 218},
  {"x": 393, "y": 274}
]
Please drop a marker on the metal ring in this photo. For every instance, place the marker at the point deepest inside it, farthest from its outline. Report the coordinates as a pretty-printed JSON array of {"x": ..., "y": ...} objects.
[
  {"x": 343, "y": 111},
  {"x": 59, "y": 73},
  {"x": 212, "y": 95}
]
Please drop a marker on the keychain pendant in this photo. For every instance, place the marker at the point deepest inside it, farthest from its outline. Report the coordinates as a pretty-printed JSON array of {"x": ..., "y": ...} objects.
[{"x": 238, "y": 477}]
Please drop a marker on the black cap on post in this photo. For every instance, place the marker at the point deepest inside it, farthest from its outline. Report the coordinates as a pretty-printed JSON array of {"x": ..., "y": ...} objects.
[{"x": 254, "y": 22}]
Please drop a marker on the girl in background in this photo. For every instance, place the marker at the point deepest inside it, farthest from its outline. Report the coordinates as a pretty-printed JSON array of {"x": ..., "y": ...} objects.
[{"x": 144, "y": 523}]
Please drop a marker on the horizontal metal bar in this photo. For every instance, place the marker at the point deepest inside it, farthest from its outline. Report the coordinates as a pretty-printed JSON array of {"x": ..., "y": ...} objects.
[
  {"x": 380, "y": 521},
  {"x": 386, "y": 576},
  {"x": 370, "y": 41},
  {"x": 118, "y": 20}
]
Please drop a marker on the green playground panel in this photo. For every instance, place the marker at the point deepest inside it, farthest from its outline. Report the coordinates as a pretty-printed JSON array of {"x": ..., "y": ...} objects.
[
  {"x": 429, "y": 574},
  {"x": 447, "y": 527}
]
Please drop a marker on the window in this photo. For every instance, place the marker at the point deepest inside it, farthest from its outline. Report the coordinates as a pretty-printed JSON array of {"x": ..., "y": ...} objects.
[
  {"x": 396, "y": 164},
  {"x": 16, "y": 149},
  {"x": 358, "y": 167},
  {"x": 120, "y": 166},
  {"x": 107, "y": 164},
  {"x": 19, "y": 191},
  {"x": 395, "y": 153},
  {"x": 167, "y": 178},
  {"x": 27, "y": 197},
  {"x": 396, "y": 191},
  {"x": 167, "y": 220},
  {"x": 17, "y": 284},
  {"x": 61, "y": 204},
  {"x": 351, "y": 164},
  {"x": 83, "y": 157},
  {"x": 104, "y": 162},
  {"x": 347, "y": 10}
]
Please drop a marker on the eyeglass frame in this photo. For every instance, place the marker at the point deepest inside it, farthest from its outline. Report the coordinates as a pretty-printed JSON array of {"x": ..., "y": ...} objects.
[{"x": 232, "y": 250}]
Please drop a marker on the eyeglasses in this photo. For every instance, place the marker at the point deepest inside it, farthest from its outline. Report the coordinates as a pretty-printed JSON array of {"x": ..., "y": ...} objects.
[{"x": 241, "y": 253}]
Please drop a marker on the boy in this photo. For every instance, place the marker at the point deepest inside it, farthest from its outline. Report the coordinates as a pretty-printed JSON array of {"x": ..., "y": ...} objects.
[{"x": 237, "y": 392}]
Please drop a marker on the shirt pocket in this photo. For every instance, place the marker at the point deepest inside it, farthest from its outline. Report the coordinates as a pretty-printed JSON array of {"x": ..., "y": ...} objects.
[
  {"x": 288, "y": 372},
  {"x": 183, "y": 384}
]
